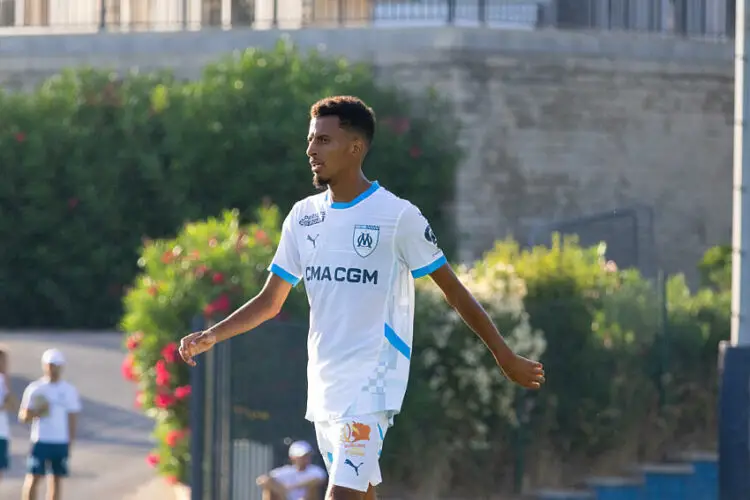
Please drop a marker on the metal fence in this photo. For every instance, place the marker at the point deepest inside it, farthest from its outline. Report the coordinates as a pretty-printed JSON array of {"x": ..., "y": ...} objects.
[
  {"x": 248, "y": 406},
  {"x": 627, "y": 232},
  {"x": 700, "y": 18}
]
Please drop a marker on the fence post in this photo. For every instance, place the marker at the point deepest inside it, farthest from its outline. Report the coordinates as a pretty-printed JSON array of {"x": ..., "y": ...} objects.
[
  {"x": 102, "y": 15},
  {"x": 197, "y": 423}
]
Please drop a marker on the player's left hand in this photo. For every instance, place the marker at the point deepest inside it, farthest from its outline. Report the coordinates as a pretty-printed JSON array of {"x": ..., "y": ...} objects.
[{"x": 524, "y": 372}]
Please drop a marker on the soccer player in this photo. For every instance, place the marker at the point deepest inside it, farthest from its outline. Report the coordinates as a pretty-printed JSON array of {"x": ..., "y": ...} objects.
[
  {"x": 51, "y": 405},
  {"x": 358, "y": 247},
  {"x": 299, "y": 480},
  {"x": 7, "y": 402}
]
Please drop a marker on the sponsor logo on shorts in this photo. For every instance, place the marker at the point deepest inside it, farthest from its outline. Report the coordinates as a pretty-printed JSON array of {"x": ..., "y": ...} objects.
[
  {"x": 354, "y": 437},
  {"x": 355, "y": 467}
]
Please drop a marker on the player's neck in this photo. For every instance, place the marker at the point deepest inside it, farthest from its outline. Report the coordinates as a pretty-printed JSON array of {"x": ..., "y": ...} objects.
[{"x": 346, "y": 190}]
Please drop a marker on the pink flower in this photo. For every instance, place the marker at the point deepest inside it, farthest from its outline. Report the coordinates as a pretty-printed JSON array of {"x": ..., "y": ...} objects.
[
  {"x": 183, "y": 392},
  {"x": 140, "y": 399},
  {"x": 134, "y": 341},
  {"x": 152, "y": 459},
  {"x": 162, "y": 374},
  {"x": 164, "y": 401},
  {"x": 217, "y": 278},
  {"x": 173, "y": 437},
  {"x": 169, "y": 353},
  {"x": 128, "y": 368},
  {"x": 171, "y": 479},
  {"x": 220, "y": 305}
]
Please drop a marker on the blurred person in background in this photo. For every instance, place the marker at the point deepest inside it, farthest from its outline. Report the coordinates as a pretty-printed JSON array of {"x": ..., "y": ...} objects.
[
  {"x": 7, "y": 404},
  {"x": 299, "y": 480},
  {"x": 51, "y": 405}
]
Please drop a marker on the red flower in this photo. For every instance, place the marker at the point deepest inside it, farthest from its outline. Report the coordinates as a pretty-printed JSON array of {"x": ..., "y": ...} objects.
[
  {"x": 152, "y": 459},
  {"x": 140, "y": 398},
  {"x": 169, "y": 353},
  {"x": 134, "y": 341},
  {"x": 201, "y": 270},
  {"x": 152, "y": 290},
  {"x": 171, "y": 479},
  {"x": 128, "y": 368},
  {"x": 167, "y": 257},
  {"x": 20, "y": 137},
  {"x": 183, "y": 392},
  {"x": 162, "y": 374},
  {"x": 415, "y": 152},
  {"x": 261, "y": 237},
  {"x": 218, "y": 278},
  {"x": 220, "y": 305},
  {"x": 164, "y": 401},
  {"x": 173, "y": 437}
]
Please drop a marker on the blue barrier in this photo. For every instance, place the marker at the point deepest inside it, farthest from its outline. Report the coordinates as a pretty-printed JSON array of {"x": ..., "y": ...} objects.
[
  {"x": 667, "y": 481},
  {"x": 704, "y": 484},
  {"x": 734, "y": 420},
  {"x": 564, "y": 495},
  {"x": 616, "y": 488}
]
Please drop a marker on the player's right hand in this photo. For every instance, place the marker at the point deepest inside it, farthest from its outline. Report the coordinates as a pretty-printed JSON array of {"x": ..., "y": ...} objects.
[{"x": 195, "y": 344}]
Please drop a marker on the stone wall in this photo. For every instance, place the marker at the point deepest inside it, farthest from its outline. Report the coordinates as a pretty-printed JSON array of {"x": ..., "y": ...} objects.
[{"x": 554, "y": 125}]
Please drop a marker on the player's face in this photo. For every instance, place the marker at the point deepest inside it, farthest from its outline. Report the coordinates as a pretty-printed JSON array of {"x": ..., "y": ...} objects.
[
  {"x": 301, "y": 462},
  {"x": 52, "y": 371},
  {"x": 330, "y": 149}
]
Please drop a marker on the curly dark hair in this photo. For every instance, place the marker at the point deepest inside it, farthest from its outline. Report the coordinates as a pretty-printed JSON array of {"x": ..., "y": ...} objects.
[{"x": 352, "y": 112}]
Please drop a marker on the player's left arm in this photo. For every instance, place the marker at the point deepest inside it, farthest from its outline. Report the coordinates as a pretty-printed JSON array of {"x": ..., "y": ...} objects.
[{"x": 419, "y": 248}]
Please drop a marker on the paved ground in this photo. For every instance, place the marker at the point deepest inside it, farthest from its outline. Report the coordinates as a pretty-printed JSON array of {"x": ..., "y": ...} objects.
[{"x": 109, "y": 458}]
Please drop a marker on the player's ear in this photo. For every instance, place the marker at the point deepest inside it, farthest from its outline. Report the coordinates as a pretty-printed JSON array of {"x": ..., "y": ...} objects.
[{"x": 357, "y": 147}]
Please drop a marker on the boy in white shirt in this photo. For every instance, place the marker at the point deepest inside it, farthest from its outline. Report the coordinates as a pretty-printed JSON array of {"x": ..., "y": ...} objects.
[
  {"x": 299, "y": 480},
  {"x": 51, "y": 405},
  {"x": 7, "y": 401}
]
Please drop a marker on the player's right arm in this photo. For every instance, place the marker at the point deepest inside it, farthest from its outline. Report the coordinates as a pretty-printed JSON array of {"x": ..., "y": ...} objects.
[{"x": 285, "y": 273}]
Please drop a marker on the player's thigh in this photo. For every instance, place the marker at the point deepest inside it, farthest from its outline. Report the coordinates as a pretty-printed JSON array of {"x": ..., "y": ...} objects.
[
  {"x": 36, "y": 462},
  {"x": 356, "y": 446},
  {"x": 58, "y": 460},
  {"x": 4, "y": 454}
]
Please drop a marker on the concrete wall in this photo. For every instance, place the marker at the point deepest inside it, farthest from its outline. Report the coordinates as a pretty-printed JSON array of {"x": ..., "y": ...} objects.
[{"x": 554, "y": 124}]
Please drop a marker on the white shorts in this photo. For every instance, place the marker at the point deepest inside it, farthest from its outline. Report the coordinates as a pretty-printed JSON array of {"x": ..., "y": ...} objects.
[{"x": 351, "y": 448}]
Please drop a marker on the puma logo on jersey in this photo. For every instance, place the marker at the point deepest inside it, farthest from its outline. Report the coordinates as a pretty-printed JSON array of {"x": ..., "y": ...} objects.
[
  {"x": 355, "y": 467},
  {"x": 312, "y": 240}
]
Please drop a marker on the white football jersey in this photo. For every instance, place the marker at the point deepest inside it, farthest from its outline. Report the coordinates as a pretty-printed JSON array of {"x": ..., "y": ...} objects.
[
  {"x": 359, "y": 261},
  {"x": 63, "y": 399}
]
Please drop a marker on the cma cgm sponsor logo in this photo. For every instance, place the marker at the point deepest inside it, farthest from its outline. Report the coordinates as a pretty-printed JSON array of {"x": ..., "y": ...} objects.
[
  {"x": 312, "y": 219},
  {"x": 341, "y": 274}
]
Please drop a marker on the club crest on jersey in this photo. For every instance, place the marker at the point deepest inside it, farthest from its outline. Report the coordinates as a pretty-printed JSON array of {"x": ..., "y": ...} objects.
[{"x": 365, "y": 239}]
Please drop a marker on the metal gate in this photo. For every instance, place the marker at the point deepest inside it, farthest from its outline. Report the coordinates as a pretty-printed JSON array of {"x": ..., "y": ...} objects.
[{"x": 248, "y": 405}]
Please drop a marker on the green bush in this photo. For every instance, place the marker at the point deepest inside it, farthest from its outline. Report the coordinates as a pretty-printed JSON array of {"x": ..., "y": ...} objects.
[
  {"x": 210, "y": 268},
  {"x": 459, "y": 405},
  {"x": 94, "y": 161}
]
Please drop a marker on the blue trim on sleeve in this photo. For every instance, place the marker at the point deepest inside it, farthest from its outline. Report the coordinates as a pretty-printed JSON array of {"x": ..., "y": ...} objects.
[
  {"x": 397, "y": 342},
  {"x": 348, "y": 204},
  {"x": 284, "y": 274},
  {"x": 430, "y": 268}
]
